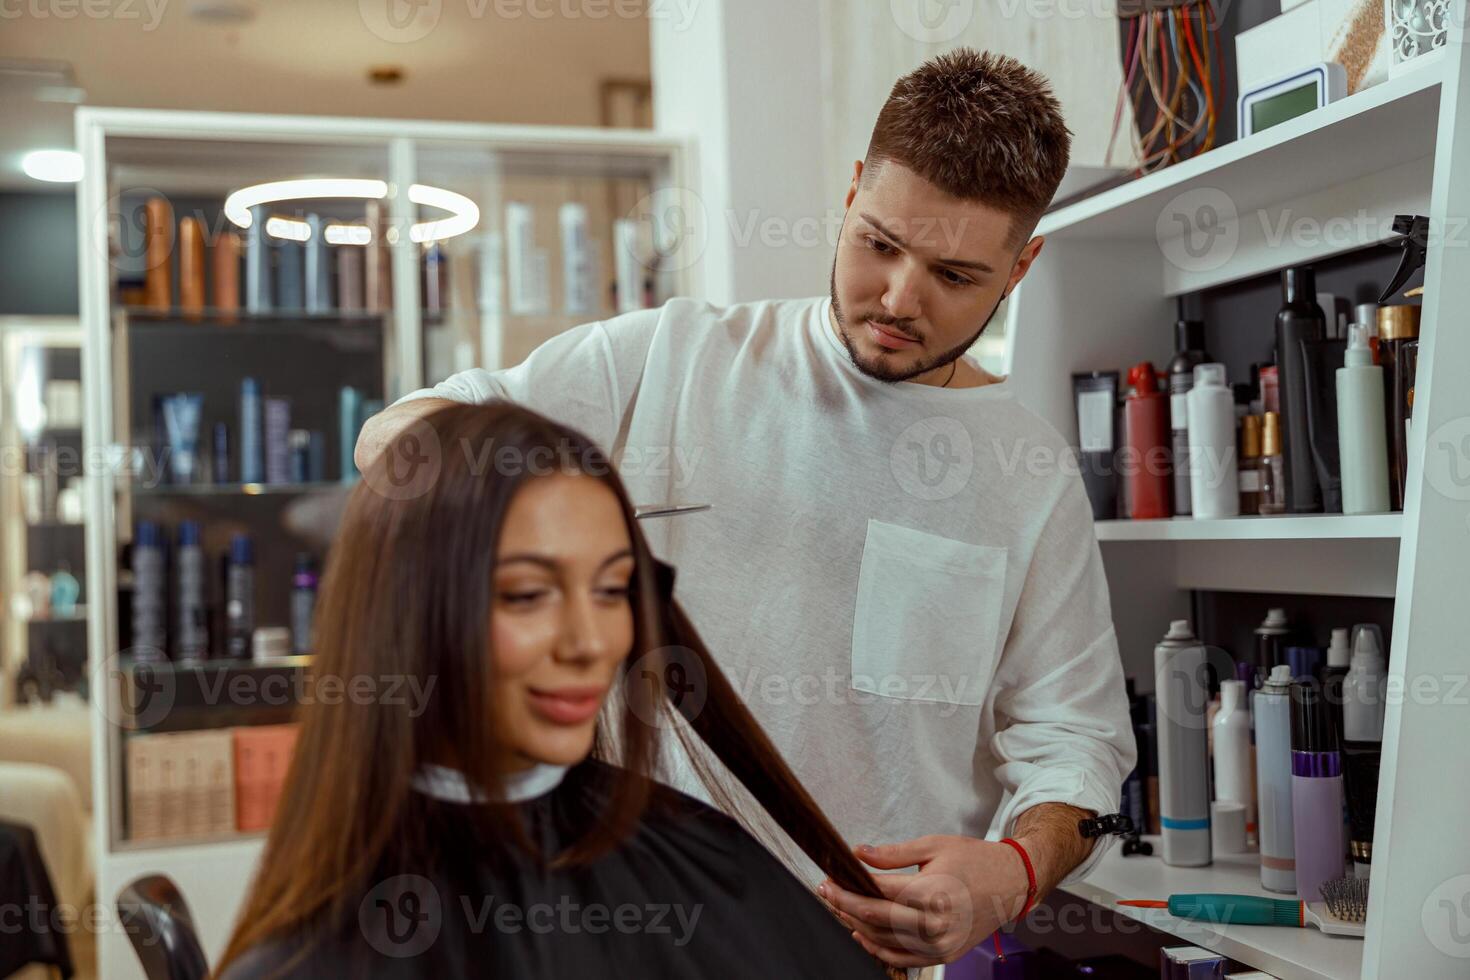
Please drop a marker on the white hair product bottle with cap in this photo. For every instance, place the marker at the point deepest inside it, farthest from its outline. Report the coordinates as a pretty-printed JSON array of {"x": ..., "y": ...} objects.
[
  {"x": 1184, "y": 757},
  {"x": 1214, "y": 483},
  {"x": 1232, "y": 748},
  {"x": 1273, "y": 781},
  {"x": 1361, "y": 439}
]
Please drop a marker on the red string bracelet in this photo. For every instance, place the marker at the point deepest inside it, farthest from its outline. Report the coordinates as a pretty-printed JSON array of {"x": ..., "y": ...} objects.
[{"x": 1030, "y": 892}]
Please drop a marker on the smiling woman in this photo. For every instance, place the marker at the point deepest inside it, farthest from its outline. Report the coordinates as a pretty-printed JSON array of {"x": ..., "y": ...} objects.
[{"x": 509, "y": 826}]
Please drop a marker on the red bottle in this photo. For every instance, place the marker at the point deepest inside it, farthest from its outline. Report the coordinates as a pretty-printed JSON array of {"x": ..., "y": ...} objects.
[{"x": 1147, "y": 468}]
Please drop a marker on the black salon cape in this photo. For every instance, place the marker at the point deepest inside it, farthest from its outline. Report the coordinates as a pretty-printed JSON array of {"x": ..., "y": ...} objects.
[{"x": 618, "y": 917}]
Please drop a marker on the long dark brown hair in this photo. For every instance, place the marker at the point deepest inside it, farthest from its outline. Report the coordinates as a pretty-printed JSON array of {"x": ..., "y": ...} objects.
[{"x": 407, "y": 594}]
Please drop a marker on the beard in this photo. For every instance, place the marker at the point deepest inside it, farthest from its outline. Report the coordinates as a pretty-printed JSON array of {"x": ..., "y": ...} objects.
[{"x": 878, "y": 368}]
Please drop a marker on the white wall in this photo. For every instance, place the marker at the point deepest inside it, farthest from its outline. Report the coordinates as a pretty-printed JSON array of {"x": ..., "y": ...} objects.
[
  {"x": 868, "y": 44},
  {"x": 743, "y": 80},
  {"x": 780, "y": 99}
]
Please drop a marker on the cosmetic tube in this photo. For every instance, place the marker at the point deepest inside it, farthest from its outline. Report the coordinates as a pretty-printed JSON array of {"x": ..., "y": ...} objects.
[{"x": 181, "y": 424}]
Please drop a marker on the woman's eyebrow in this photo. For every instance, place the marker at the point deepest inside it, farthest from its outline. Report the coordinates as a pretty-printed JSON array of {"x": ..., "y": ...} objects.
[{"x": 545, "y": 561}]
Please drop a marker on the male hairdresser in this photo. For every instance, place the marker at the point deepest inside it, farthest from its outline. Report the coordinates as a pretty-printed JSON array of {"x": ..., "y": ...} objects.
[{"x": 912, "y": 605}]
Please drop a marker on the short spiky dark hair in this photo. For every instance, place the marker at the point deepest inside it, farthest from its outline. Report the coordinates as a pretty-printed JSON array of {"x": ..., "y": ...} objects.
[{"x": 981, "y": 127}]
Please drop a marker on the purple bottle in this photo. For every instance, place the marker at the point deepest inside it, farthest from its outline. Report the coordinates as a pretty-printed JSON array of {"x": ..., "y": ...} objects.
[
  {"x": 303, "y": 603},
  {"x": 1316, "y": 792}
]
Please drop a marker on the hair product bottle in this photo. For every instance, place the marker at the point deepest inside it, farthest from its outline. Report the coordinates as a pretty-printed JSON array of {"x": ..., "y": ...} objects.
[
  {"x": 225, "y": 267},
  {"x": 349, "y": 423},
  {"x": 349, "y": 278},
  {"x": 1189, "y": 352},
  {"x": 1273, "y": 781},
  {"x": 191, "y": 268},
  {"x": 1363, "y": 706},
  {"x": 1339, "y": 657},
  {"x": 1360, "y": 420},
  {"x": 290, "y": 275},
  {"x": 1232, "y": 744},
  {"x": 1363, "y": 691},
  {"x": 1184, "y": 785},
  {"x": 258, "y": 262},
  {"x": 1273, "y": 466},
  {"x": 158, "y": 244},
  {"x": 1214, "y": 481},
  {"x": 240, "y": 597},
  {"x": 252, "y": 459},
  {"x": 1398, "y": 328},
  {"x": 1300, "y": 318},
  {"x": 1146, "y": 414},
  {"x": 149, "y": 602},
  {"x": 303, "y": 603},
  {"x": 1250, "y": 465},
  {"x": 193, "y": 634},
  {"x": 318, "y": 267},
  {"x": 1316, "y": 792}
]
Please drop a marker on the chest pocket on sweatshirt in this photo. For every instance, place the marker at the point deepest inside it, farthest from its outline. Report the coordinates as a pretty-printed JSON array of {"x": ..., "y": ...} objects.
[{"x": 928, "y": 616}]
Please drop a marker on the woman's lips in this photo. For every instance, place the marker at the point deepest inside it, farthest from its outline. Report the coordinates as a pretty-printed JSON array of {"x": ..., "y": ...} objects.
[
  {"x": 892, "y": 341},
  {"x": 567, "y": 706}
]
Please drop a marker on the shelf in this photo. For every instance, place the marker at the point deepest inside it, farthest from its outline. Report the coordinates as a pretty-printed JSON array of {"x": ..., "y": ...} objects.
[
  {"x": 218, "y": 664},
  {"x": 255, "y": 839},
  {"x": 80, "y": 616},
  {"x": 235, "y": 489},
  {"x": 148, "y": 316},
  {"x": 1361, "y": 135},
  {"x": 1285, "y": 952},
  {"x": 1283, "y": 527}
]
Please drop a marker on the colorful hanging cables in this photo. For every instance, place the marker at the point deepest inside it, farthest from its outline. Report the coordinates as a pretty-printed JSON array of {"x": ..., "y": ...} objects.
[{"x": 1173, "y": 78}]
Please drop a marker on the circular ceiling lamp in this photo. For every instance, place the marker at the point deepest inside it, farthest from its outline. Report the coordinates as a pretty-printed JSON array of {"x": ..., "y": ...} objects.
[{"x": 464, "y": 214}]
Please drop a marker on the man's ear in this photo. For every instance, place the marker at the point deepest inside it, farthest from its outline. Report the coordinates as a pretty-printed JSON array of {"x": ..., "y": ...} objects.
[
  {"x": 1023, "y": 262},
  {"x": 857, "y": 178}
]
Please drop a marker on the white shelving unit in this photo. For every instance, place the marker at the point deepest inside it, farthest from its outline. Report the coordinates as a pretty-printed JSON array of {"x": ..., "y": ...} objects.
[
  {"x": 198, "y": 156},
  {"x": 1312, "y": 527},
  {"x": 1102, "y": 296},
  {"x": 1279, "y": 950}
]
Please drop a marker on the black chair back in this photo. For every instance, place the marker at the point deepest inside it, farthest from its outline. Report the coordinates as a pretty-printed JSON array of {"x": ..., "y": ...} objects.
[{"x": 158, "y": 923}]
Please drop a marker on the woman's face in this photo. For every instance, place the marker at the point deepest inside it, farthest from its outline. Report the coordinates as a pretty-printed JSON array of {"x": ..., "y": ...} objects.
[{"x": 561, "y": 622}]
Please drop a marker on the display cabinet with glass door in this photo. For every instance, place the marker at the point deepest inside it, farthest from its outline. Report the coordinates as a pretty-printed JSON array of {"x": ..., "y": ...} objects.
[
  {"x": 43, "y": 652},
  {"x": 253, "y": 289}
]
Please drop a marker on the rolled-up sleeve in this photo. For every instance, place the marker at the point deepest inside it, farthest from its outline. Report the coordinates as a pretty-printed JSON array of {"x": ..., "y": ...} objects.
[{"x": 1063, "y": 733}]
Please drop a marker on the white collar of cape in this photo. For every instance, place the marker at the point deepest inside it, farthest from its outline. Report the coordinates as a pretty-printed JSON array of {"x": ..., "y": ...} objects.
[{"x": 450, "y": 785}]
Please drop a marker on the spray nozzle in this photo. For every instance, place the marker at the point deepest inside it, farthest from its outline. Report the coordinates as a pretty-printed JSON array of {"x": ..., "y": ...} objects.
[
  {"x": 1414, "y": 240},
  {"x": 1366, "y": 646}
]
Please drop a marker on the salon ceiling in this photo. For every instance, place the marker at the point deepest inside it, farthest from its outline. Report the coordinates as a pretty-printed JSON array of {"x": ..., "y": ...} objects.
[{"x": 479, "y": 60}]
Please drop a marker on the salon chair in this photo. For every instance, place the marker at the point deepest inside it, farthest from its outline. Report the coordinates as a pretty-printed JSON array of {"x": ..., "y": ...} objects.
[{"x": 158, "y": 923}]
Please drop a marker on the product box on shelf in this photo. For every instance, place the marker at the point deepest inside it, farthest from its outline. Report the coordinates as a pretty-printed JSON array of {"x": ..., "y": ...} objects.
[
  {"x": 262, "y": 758},
  {"x": 180, "y": 784}
]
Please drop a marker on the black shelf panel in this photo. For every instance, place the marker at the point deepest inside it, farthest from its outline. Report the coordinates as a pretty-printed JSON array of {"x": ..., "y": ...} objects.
[{"x": 171, "y": 696}]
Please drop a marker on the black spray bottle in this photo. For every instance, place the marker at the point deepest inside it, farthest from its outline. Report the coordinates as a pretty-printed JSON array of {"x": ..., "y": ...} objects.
[{"x": 1299, "y": 319}]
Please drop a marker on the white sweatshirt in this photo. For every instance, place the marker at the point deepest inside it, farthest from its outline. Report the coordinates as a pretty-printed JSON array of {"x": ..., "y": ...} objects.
[{"x": 902, "y": 581}]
